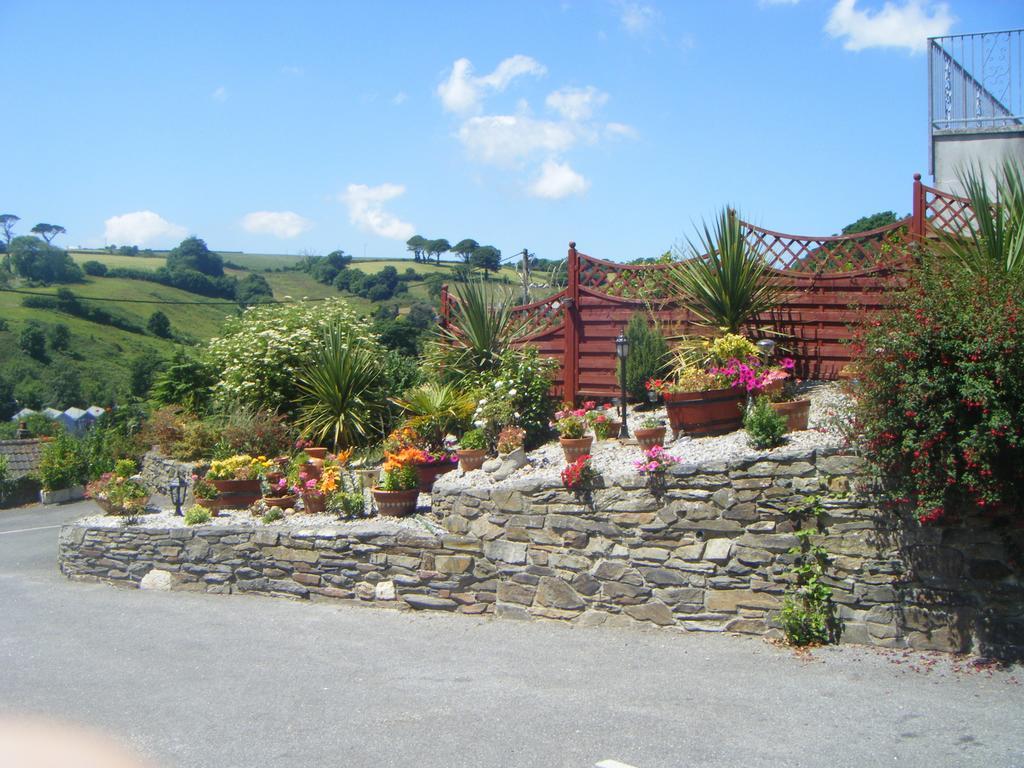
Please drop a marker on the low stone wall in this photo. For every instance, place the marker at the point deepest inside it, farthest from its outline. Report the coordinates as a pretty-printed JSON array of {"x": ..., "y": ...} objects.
[{"x": 708, "y": 551}]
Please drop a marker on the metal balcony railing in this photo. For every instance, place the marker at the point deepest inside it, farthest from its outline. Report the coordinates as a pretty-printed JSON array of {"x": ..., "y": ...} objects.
[{"x": 975, "y": 82}]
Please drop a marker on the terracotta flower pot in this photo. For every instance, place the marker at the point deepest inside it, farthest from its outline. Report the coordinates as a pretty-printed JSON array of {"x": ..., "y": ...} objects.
[
  {"x": 573, "y": 448},
  {"x": 273, "y": 477},
  {"x": 395, "y": 503},
  {"x": 714, "y": 412},
  {"x": 314, "y": 503},
  {"x": 281, "y": 502},
  {"x": 426, "y": 474},
  {"x": 313, "y": 469},
  {"x": 796, "y": 413},
  {"x": 471, "y": 458},
  {"x": 316, "y": 453},
  {"x": 237, "y": 494},
  {"x": 648, "y": 438},
  {"x": 213, "y": 506}
]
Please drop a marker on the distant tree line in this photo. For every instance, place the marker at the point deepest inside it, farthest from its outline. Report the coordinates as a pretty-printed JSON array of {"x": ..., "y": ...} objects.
[
  {"x": 333, "y": 269},
  {"x": 485, "y": 257}
]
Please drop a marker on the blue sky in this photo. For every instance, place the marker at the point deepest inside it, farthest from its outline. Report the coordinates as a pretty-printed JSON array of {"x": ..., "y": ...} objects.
[{"x": 310, "y": 126}]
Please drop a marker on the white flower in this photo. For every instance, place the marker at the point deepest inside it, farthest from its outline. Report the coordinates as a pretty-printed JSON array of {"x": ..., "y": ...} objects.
[
  {"x": 513, "y": 392},
  {"x": 480, "y": 423},
  {"x": 483, "y": 402}
]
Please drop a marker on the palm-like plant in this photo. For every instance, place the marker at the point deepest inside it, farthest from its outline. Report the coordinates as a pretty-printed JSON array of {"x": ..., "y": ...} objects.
[
  {"x": 341, "y": 399},
  {"x": 480, "y": 331},
  {"x": 993, "y": 243},
  {"x": 435, "y": 410},
  {"x": 725, "y": 282}
]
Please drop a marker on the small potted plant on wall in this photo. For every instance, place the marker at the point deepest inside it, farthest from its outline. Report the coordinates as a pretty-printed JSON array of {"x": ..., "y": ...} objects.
[
  {"x": 510, "y": 445},
  {"x": 397, "y": 493},
  {"x": 650, "y": 433},
  {"x": 472, "y": 450},
  {"x": 571, "y": 425},
  {"x": 784, "y": 397},
  {"x": 603, "y": 422},
  {"x": 116, "y": 493}
]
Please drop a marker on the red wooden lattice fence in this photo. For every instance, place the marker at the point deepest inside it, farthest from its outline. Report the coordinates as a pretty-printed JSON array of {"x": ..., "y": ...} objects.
[{"x": 831, "y": 284}]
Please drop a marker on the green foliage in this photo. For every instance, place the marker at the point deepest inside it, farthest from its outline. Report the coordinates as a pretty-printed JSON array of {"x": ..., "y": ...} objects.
[
  {"x": 473, "y": 440},
  {"x": 142, "y": 370},
  {"x": 94, "y": 268},
  {"x": 67, "y": 302},
  {"x": 34, "y": 259},
  {"x": 64, "y": 389},
  {"x": 434, "y": 410},
  {"x": 159, "y": 325},
  {"x": 60, "y": 337},
  {"x": 253, "y": 289},
  {"x": 37, "y": 424},
  {"x": 8, "y": 405},
  {"x": 942, "y": 390},
  {"x": 648, "y": 356},
  {"x": 186, "y": 381},
  {"x": 764, "y": 426},
  {"x": 47, "y": 231},
  {"x": 272, "y": 515},
  {"x": 867, "y": 223},
  {"x": 402, "y": 478},
  {"x": 32, "y": 341},
  {"x": 192, "y": 253},
  {"x": 255, "y": 432},
  {"x": 725, "y": 281},
  {"x": 6, "y": 482},
  {"x": 341, "y": 399},
  {"x": 517, "y": 393},
  {"x": 112, "y": 440},
  {"x": 197, "y": 515},
  {"x": 808, "y": 613},
  {"x": 347, "y": 504},
  {"x": 62, "y": 464},
  {"x": 993, "y": 244}
]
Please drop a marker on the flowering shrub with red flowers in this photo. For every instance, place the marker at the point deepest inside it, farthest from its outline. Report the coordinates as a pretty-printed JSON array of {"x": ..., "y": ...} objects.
[
  {"x": 579, "y": 475},
  {"x": 942, "y": 392}
]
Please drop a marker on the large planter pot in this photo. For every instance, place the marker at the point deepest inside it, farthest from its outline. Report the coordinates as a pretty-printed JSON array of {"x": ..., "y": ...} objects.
[
  {"x": 314, "y": 503},
  {"x": 574, "y": 447},
  {"x": 281, "y": 502},
  {"x": 796, "y": 413},
  {"x": 426, "y": 474},
  {"x": 313, "y": 469},
  {"x": 110, "y": 508},
  {"x": 699, "y": 414},
  {"x": 62, "y": 495},
  {"x": 316, "y": 453},
  {"x": 395, "y": 503},
  {"x": 471, "y": 458},
  {"x": 237, "y": 494},
  {"x": 648, "y": 438}
]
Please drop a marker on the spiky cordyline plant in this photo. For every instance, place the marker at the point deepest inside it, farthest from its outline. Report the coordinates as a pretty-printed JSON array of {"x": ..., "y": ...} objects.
[
  {"x": 480, "y": 331},
  {"x": 340, "y": 393},
  {"x": 993, "y": 243}
]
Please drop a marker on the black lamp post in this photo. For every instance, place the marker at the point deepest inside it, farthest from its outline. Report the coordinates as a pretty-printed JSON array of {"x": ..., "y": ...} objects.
[
  {"x": 177, "y": 488},
  {"x": 622, "y": 353}
]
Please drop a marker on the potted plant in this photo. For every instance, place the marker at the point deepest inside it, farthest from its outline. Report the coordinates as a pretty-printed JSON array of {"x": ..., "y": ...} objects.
[
  {"x": 511, "y": 448},
  {"x": 397, "y": 493},
  {"x": 603, "y": 422},
  {"x": 277, "y": 492},
  {"x": 655, "y": 462},
  {"x": 571, "y": 425},
  {"x": 116, "y": 493},
  {"x": 783, "y": 398},
  {"x": 578, "y": 478},
  {"x": 472, "y": 450},
  {"x": 650, "y": 433},
  {"x": 701, "y": 403},
  {"x": 205, "y": 493},
  {"x": 435, "y": 411},
  {"x": 237, "y": 479},
  {"x": 63, "y": 469}
]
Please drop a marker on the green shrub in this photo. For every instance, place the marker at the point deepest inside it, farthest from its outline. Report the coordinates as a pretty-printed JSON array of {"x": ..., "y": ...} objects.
[
  {"x": 808, "y": 613},
  {"x": 473, "y": 440},
  {"x": 197, "y": 515},
  {"x": 272, "y": 515},
  {"x": 517, "y": 393},
  {"x": 648, "y": 356},
  {"x": 942, "y": 391},
  {"x": 63, "y": 464},
  {"x": 256, "y": 432},
  {"x": 764, "y": 426},
  {"x": 6, "y": 483}
]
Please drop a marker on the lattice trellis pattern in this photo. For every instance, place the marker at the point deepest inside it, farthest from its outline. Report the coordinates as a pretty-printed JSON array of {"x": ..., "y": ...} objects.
[
  {"x": 947, "y": 212},
  {"x": 845, "y": 253},
  {"x": 539, "y": 317},
  {"x": 636, "y": 283}
]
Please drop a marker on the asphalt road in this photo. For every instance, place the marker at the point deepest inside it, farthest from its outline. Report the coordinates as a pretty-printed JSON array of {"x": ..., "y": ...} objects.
[{"x": 201, "y": 680}]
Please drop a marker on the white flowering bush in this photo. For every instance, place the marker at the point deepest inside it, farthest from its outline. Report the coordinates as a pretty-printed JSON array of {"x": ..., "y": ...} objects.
[
  {"x": 260, "y": 353},
  {"x": 517, "y": 394}
]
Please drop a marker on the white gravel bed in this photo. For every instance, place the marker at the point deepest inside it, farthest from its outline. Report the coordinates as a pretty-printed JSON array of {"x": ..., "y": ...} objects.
[{"x": 612, "y": 458}]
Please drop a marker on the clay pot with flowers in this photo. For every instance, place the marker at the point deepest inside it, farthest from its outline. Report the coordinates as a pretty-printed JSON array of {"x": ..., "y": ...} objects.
[
  {"x": 511, "y": 447},
  {"x": 472, "y": 450},
  {"x": 238, "y": 480},
  {"x": 116, "y": 493},
  {"x": 397, "y": 493},
  {"x": 650, "y": 433},
  {"x": 602, "y": 420},
  {"x": 781, "y": 390},
  {"x": 571, "y": 425}
]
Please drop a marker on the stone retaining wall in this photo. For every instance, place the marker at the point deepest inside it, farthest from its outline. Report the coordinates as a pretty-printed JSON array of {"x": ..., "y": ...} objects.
[
  {"x": 708, "y": 551},
  {"x": 158, "y": 470}
]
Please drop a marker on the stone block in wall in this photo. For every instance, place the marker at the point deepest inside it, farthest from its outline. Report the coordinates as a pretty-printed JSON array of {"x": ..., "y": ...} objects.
[
  {"x": 731, "y": 600},
  {"x": 513, "y": 553},
  {"x": 553, "y": 592}
]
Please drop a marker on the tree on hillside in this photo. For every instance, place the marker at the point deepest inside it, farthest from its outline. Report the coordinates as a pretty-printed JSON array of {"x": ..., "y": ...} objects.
[
  {"x": 192, "y": 253},
  {"x": 338, "y": 259},
  {"x": 487, "y": 258},
  {"x": 60, "y": 337},
  {"x": 64, "y": 388},
  {"x": 48, "y": 231},
  {"x": 874, "y": 221},
  {"x": 159, "y": 325},
  {"x": 253, "y": 289},
  {"x": 436, "y": 247},
  {"x": 7, "y": 222},
  {"x": 32, "y": 341},
  {"x": 417, "y": 245},
  {"x": 465, "y": 248},
  {"x": 35, "y": 260}
]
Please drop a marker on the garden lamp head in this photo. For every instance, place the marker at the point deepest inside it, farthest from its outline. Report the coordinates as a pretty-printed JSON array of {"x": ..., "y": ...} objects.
[
  {"x": 621, "y": 346},
  {"x": 766, "y": 347},
  {"x": 177, "y": 488}
]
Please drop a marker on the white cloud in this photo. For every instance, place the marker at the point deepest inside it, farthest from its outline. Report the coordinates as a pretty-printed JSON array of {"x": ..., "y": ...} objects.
[
  {"x": 905, "y": 26},
  {"x": 141, "y": 228},
  {"x": 366, "y": 210},
  {"x": 506, "y": 139},
  {"x": 620, "y": 131},
  {"x": 558, "y": 180},
  {"x": 220, "y": 93},
  {"x": 637, "y": 18},
  {"x": 576, "y": 104},
  {"x": 282, "y": 224},
  {"x": 462, "y": 91},
  {"x": 399, "y": 98}
]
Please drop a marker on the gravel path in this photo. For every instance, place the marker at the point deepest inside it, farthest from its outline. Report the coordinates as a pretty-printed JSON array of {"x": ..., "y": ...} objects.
[{"x": 612, "y": 458}]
